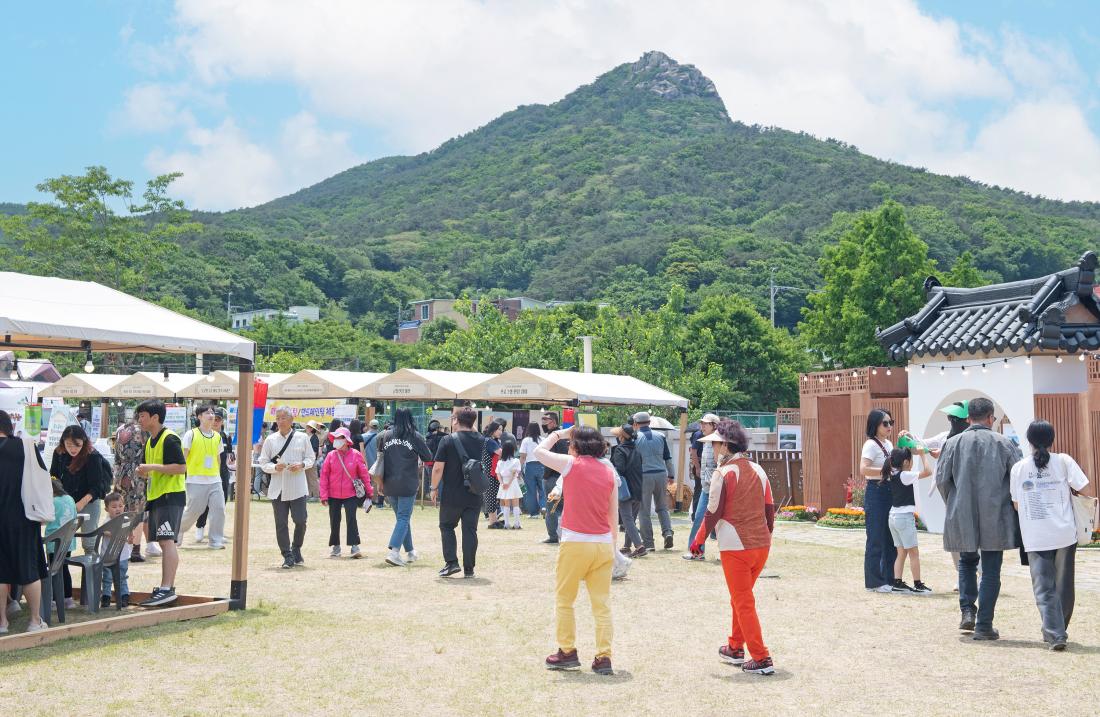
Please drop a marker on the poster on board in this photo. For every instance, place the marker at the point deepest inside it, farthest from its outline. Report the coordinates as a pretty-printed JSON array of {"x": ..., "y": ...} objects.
[
  {"x": 60, "y": 418},
  {"x": 309, "y": 409},
  {"x": 97, "y": 422},
  {"x": 790, "y": 438},
  {"x": 15, "y": 401},
  {"x": 175, "y": 417}
]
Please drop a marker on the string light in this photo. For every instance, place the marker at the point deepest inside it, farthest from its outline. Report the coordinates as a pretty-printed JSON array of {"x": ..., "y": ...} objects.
[
  {"x": 889, "y": 372},
  {"x": 942, "y": 371},
  {"x": 1081, "y": 358},
  {"x": 1028, "y": 360},
  {"x": 14, "y": 375},
  {"x": 965, "y": 372},
  {"x": 820, "y": 380},
  {"x": 907, "y": 369},
  {"x": 837, "y": 378},
  {"x": 210, "y": 378},
  {"x": 922, "y": 371},
  {"x": 1059, "y": 359},
  {"x": 1006, "y": 364},
  {"x": 984, "y": 369}
]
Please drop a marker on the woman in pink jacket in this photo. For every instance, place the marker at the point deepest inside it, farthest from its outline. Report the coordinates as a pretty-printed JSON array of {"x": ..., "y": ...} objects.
[{"x": 342, "y": 468}]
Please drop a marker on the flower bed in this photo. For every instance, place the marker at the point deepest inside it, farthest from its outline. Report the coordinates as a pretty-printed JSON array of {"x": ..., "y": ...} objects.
[
  {"x": 798, "y": 514},
  {"x": 843, "y": 518},
  {"x": 1095, "y": 540}
]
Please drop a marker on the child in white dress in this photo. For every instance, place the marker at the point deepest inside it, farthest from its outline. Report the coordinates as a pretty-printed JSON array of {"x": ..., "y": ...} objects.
[{"x": 510, "y": 492}]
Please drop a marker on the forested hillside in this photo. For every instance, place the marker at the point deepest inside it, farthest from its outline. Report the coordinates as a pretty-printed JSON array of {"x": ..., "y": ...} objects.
[{"x": 626, "y": 186}]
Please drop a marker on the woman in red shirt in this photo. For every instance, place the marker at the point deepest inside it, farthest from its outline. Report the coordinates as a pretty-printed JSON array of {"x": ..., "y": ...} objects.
[{"x": 741, "y": 512}]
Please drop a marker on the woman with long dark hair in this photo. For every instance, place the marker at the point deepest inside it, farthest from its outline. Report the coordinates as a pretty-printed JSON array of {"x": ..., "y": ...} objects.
[
  {"x": 22, "y": 559},
  {"x": 489, "y": 460},
  {"x": 86, "y": 476},
  {"x": 532, "y": 471},
  {"x": 879, "y": 554},
  {"x": 402, "y": 449},
  {"x": 1041, "y": 486}
]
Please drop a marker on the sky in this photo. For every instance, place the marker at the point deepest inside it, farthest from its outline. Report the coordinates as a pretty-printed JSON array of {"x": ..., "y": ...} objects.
[{"x": 254, "y": 100}]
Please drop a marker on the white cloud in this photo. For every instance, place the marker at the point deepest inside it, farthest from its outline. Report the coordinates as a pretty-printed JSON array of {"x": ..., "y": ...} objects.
[
  {"x": 153, "y": 107},
  {"x": 223, "y": 168},
  {"x": 880, "y": 75}
]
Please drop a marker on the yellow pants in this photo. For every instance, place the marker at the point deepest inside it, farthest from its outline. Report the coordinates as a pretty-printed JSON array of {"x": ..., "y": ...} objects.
[{"x": 590, "y": 562}]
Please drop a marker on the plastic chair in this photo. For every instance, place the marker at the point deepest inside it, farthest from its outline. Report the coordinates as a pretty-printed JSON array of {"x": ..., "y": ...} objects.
[
  {"x": 53, "y": 587},
  {"x": 110, "y": 539}
]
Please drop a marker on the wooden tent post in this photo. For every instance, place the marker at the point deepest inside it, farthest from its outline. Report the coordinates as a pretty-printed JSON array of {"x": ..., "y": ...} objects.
[
  {"x": 104, "y": 417},
  {"x": 238, "y": 586},
  {"x": 682, "y": 454}
]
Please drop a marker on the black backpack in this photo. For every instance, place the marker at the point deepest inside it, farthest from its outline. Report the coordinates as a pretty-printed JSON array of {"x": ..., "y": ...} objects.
[{"x": 473, "y": 473}]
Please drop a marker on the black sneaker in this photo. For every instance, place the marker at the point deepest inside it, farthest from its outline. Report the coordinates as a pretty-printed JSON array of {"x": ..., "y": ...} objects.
[
  {"x": 105, "y": 601},
  {"x": 449, "y": 570},
  {"x": 124, "y": 601},
  {"x": 136, "y": 557},
  {"x": 468, "y": 575},
  {"x": 899, "y": 586},
  {"x": 969, "y": 620},
  {"x": 668, "y": 542},
  {"x": 1058, "y": 645},
  {"x": 989, "y": 633},
  {"x": 759, "y": 667},
  {"x": 159, "y": 597},
  {"x": 921, "y": 589},
  {"x": 288, "y": 562},
  {"x": 298, "y": 559},
  {"x": 550, "y": 541}
]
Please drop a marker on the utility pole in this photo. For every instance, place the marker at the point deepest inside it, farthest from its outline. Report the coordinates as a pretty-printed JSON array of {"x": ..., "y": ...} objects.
[
  {"x": 229, "y": 307},
  {"x": 774, "y": 289}
]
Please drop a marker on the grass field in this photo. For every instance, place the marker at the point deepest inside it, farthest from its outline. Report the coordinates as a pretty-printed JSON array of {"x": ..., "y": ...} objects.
[{"x": 341, "y": 636}]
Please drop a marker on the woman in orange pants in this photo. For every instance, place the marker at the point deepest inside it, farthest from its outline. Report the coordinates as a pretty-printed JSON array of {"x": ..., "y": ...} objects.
[{"x": 741, "y": 512}]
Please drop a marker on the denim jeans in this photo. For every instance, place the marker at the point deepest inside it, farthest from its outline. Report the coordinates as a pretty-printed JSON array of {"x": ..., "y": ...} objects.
[
  {"x": 402, "y": 531},
  {"x": 986, "y": 594},
  {"x": 700, "y": 513},
  {"x": 124, "y": 583},
  {"x": 535, "y": 500},
  {"x": 879, "y": 553},
  {"x": 552, "y": 516}
]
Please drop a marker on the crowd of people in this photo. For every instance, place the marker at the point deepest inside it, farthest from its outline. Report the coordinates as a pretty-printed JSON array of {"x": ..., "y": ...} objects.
[{"x": 996, "y": 500}]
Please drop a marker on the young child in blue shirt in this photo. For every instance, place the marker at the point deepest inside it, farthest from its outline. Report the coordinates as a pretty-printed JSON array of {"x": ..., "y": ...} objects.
[{"x": 115, "y": 507}]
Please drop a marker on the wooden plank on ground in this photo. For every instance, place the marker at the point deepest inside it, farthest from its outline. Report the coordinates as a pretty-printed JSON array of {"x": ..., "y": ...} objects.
[{"x": 116, "y": 623}]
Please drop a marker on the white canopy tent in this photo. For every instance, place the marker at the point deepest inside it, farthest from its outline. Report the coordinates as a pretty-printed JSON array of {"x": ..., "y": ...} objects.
[
  {"x": 536, "y": 385},
  {"x": 83, "y": 385},
  {"x": 317, "y": 383},
  {"x": 222, "y": 384},
  {"x": 50, "y": 314},
  {"x": 417, "y": 384}
]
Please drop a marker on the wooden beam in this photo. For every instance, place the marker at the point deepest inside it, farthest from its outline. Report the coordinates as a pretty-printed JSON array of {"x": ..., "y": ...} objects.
[
  {"x": 238, "y": 586},
  {"x": 115, "y": 623},
  {"x": 682, "y": 455}
]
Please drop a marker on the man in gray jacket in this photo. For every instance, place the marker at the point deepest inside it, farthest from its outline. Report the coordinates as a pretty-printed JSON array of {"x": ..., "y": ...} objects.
[
  {"x": 973, "y": 478},
  {"x": 652, "y": 447}
]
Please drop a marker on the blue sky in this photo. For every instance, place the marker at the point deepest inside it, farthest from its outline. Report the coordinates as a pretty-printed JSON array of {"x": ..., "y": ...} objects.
[{"x": 255, "y": 100}]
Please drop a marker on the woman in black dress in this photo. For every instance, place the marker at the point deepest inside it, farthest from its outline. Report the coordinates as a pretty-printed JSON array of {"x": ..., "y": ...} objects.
[
  {"x": 22, "y": 559},
  {"x": 489, "y": 460}
]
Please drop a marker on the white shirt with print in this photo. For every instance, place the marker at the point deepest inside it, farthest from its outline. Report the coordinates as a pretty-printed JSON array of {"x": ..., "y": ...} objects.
[{"x": 1043, "y": 497}]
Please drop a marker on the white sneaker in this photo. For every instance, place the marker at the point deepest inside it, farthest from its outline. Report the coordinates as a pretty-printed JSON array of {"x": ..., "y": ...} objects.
[
  {"x": 37, "y": 626},
  {"x": 884, "y": 589},
  {"x": 356, "y": 553},
  {"x": 200, "y": 535},
  {"x": 335, "y": 553},
  {"x": 411, "y": 556},
  {"x": 153, "y": 549},
  {"x": 70, "y": 604},
  {"x": 217, "y": 546},
  {"x": 394, "y": 558}
]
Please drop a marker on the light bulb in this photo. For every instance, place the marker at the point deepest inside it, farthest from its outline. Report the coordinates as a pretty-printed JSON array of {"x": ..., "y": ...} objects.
[
  {"x": 1059, "y": 359},
  {"x": 1081, "y": 357},
  {"x": 922, "y": 371},
  {"x": 837, "y": 378},
  {"x": 889, "y": 372},
  {"x": 89, "y": 366},
  {"x": 853, "y": 374},
  {"x": 803, "y": 379},
  {"x": 1006, "y": 363},
  {"x": 210, "y": 377},
  {"x": 14, "y": 375},
  {"x": 820, "y": 380},
  {"x": 984, "y": 369},
  {"x": 942, "y": 370},
  {"x": 1028, "y": 360},
  {"x": 906, "y": 369},
  {"x": 965, "y": 372}
]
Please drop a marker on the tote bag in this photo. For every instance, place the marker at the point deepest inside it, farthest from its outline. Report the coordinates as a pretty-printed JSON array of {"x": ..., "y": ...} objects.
[
  {"x": 1084, "y": 516},
  {"x": 37, "y": 490}
]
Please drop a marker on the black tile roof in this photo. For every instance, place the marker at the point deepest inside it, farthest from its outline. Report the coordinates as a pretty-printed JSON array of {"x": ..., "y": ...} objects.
[{"x": 1025, "y": 315}]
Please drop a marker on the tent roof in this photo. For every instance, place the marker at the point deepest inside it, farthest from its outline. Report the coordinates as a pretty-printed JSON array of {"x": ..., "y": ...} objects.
[
  {"x": 417, "y": 384},
  {"x": 221, "y": 384},
  {"x": 534, "y": 385},
  {"x": 60, "y": 314},
  {"x": 317, "y": 383},
  {"x": 83, "y": 385}
]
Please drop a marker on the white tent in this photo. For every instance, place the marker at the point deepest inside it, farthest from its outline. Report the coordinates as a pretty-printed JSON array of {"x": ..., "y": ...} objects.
[
  {"x": 149, "y": 384},
  {"x": 316, "y": 383},
  {"x": 536, "y": 385},
  {"x": 417, "y": 384},
  {"x": 59, "y": 314},
  {"x": 221, "y": 384},
  {"x": 83, "y": 385}
]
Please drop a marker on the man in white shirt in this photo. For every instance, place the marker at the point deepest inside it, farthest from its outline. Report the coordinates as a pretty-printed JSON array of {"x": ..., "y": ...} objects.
[
  {"x": 202, "y": 448},
  {"x": 285, "y": 456}
]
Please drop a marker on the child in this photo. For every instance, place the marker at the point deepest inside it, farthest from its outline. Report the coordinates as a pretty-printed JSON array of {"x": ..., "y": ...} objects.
[
  {"x": 114, "y": 504},
  {"x": 1040, "y": 485},
  {"x": 898, "y": 474},
  {"x": 510, "y": 493},
  {"x": 64, "y": 510}
]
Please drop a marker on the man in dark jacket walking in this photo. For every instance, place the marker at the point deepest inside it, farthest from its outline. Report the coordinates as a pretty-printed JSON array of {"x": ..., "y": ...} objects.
[{"x": 973, "y": 476}]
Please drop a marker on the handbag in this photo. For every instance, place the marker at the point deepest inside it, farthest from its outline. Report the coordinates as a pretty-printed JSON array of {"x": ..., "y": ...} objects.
[
  {"x": 624, "y": 490},
  {"x": 1084, "y": 517},
  {"x": 37, "y": 489},
  {"x": 378, "y": 470},
  {"x": 356, "y": 483}
]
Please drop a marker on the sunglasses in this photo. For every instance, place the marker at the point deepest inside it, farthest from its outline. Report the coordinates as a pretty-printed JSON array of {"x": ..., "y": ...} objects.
[{"x": 887, "y": 423}]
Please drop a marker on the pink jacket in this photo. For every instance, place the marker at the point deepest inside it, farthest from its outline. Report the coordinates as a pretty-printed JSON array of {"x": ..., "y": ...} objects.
[{"x": 335, "y": 483}]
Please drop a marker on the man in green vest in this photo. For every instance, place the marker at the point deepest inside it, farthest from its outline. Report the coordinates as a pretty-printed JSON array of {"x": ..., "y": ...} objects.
[{"x": 165, "y": 466}]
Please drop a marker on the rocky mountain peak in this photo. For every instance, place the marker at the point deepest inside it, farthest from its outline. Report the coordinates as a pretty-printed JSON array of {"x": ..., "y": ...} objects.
[{"x": 658, "y": 73}]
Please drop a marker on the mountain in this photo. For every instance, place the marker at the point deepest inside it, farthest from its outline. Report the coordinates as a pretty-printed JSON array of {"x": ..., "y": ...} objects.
[{"x": 624, "y": 186}]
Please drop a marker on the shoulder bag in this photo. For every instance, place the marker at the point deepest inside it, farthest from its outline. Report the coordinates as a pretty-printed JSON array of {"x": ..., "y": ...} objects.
[
  {"x": 378, "y": 470},
  {"x": 356, "y": 482},
  {"x": 37, "y": 489},
  {"x": 1084, "y": 515}
]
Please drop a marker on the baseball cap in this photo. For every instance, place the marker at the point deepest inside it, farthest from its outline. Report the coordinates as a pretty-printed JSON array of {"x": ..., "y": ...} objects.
[
  {"x": 642, "y": 417},
  {"x": 374, "y": 423},
  {"x": 710, "y": 418}
]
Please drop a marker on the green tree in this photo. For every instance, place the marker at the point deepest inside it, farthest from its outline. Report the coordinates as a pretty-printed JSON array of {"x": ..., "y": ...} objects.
[
  {"x": 437, "y": 330},
  {"x": 964, "y": 274},
  {"x": 873, "y": 278}
]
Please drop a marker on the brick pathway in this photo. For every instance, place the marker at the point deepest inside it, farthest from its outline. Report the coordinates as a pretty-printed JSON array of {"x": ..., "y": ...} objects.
[{"x": 1087, "y": 569}]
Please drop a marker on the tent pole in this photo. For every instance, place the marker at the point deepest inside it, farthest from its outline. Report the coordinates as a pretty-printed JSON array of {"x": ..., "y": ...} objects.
[
  {"x": 682, "y": 453},
  {"x": 104, "y": 417},
  {"x": 238, "y": 586}
]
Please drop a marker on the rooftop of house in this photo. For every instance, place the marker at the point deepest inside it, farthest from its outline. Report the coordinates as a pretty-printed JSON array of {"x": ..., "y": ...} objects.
[{"x": 1057, "y": 312}]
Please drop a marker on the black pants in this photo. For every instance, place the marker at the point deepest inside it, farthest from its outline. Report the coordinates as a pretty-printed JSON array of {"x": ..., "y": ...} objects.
[
  {"x": 449, "y": 517},
  {"x": 201, "y": 522},
  {"x": 285, "y": 509},
  {"x": 348, "y": 506}
]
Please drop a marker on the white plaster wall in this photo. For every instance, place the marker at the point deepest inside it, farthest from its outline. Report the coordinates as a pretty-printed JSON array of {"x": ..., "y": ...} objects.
[
  {"x": 1070, "y": 376},
  {"x": 1011, "y": 390}
]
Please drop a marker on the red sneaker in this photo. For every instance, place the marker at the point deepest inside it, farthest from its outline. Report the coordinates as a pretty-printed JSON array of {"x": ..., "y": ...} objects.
[
  {"x": 563, "y": 660},
  {"x": 731, "y": 656},
  {"x": 602, "y": 666},
  {"x": 759, "y": 667}
]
